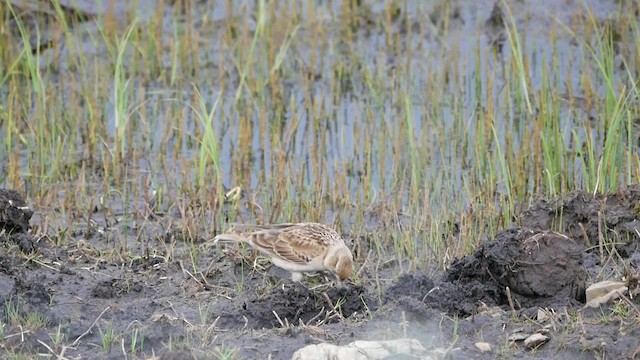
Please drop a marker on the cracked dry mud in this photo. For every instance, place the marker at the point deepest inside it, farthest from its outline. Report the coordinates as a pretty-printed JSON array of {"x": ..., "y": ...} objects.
[{"x": 82, "y": 293}]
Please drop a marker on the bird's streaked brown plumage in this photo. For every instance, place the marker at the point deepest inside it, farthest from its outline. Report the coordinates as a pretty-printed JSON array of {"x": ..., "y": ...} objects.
[{"x": 297, "y": 247}]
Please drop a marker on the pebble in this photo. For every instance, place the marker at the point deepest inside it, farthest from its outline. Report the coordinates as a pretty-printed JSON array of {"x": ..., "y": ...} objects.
[
  {"x": 483, "y": 347},
  {"x": 535, "y": 340}
]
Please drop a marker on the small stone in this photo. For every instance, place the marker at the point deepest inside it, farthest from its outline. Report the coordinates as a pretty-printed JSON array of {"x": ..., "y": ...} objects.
[
  {"x": 483, "y": 347},
  {"x": 519, "y": 336},
  {"x": 541, "y": 315},
  {"x": 543, "y": 331},
  {"x": 493, "y": 311},
  {"x": 535, "y": 340},
  {"x": 602, "y": 288},
  {"x": 610, "y": 296}
]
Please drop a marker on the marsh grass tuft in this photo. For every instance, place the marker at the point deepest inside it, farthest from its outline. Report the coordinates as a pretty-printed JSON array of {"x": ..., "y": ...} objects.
[{"x": 107, "y": 338}]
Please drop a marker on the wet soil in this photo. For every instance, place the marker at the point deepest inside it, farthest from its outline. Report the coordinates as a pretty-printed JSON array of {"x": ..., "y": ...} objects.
[
  {"x": 173, "y": 296},
  {"x": 81, "y": 293}
]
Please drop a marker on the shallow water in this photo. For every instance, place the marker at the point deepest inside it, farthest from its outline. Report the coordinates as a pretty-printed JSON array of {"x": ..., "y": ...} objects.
[{"x": 350, "y": 131}]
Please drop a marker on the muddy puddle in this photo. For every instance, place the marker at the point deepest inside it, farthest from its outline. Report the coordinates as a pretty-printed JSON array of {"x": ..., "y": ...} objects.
[{"x": 80, "y": 296}]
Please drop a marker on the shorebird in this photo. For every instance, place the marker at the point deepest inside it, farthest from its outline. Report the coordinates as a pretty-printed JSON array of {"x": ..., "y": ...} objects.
[{"x": 296, "y": 247}]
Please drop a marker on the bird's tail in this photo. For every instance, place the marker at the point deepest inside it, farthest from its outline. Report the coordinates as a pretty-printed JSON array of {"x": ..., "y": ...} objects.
[
  {"x": 249, "y": 227},
  {"x": 230, "y": 236}
]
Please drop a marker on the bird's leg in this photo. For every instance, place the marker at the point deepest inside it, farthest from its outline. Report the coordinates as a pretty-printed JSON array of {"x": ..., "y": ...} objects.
[
  {"x": 296, "y": 276},
  {"x": 296, "y": 280}
]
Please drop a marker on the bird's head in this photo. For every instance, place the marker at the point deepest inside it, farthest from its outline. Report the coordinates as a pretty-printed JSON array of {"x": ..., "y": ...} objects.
[{"x": 340, "y": 262}]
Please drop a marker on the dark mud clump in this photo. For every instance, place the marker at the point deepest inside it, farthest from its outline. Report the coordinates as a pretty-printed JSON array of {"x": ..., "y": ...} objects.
[
  {"x": 590, "y": 219},
  {"x": 110, "y": 289},
  {"x": 540, "y": 268},
  {"x": 537, "y": 266},
  {"x": 14, "y": 219},
  {"x": 14, "y": 213},
  {"x": 25, "y": 242},
  {"x": 412, "y": 285},
  {"x": 296, "y": 302}
]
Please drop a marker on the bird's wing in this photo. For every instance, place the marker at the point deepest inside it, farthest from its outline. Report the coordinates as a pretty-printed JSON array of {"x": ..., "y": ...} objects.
[
  {"x": 301, "y": 244},
  {"x": 292, "y": 243},
  {"x": 266, "y": 240},
  {"x": 296, "y": 243}
]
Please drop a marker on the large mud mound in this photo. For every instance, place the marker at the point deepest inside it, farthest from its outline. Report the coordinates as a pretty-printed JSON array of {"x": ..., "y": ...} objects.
[
  {"x": 533, "y": 264},
  {"x": 591, "y": 219},
  {"x": 540, "y": 268}
]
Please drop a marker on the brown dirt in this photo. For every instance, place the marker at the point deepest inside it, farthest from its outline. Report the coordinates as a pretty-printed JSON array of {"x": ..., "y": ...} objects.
[{"x": 84, "y": 292}]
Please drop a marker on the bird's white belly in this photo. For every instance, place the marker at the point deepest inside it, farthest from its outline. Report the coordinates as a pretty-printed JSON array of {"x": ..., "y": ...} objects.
[{"x": 313, "y": 265}]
